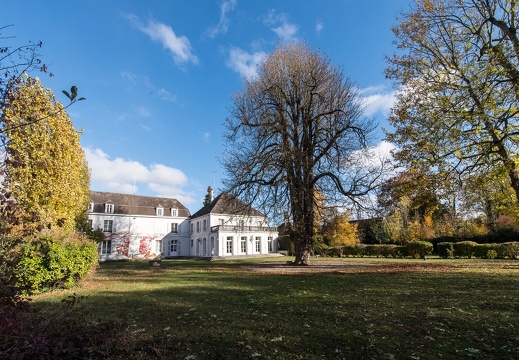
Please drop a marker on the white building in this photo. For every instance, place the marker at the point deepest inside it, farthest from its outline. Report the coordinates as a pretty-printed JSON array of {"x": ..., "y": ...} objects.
[{"x": 149, "y": 227}]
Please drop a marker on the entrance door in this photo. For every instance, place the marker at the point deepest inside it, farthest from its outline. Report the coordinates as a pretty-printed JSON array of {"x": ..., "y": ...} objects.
[{"x": 173, "y": 248}]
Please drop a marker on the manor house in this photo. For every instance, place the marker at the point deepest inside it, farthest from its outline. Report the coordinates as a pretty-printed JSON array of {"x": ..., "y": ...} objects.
[{"x": 149, "y": 227}]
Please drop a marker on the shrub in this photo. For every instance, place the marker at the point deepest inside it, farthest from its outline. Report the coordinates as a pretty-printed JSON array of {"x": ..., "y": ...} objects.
[
  {"x": 53, "y": 261},
  {"x": 389, "y": 251},
  {"x": 418, "y": 249},
  {"x": 372, "y": 250},
  {"x": 464, "y": 249},
  {"x": 352, "y": 250},
  {"x": 508, "y": 250},
  {"x": 491, "y": 254},
  {"x": 445, "y": 250},
  {"x": 486, "y": 251},
  {"x": 285, "y": 244}
]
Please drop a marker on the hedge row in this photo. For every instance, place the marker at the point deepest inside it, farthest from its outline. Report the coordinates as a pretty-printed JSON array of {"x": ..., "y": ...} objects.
[
  {"x": 414, "y": 249},
  {"x": 469, "y": 249},
  {"x": 47, "y": 262}
]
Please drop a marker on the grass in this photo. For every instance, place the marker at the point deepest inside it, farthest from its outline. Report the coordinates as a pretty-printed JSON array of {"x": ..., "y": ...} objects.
[{"x": 375, "y": 309}]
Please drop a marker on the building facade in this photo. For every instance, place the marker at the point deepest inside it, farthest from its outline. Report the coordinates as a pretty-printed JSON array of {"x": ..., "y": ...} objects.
[{"x": 149, "y": 227}]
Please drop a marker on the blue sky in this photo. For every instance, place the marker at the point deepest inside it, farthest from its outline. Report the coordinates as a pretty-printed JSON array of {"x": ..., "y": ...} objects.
[{"x": 159, "y": 75}]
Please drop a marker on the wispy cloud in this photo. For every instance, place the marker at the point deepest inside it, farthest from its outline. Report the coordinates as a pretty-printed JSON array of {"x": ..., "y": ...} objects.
[
  {"x": 279, "y": 23},
  {"x": 244, "y": 63},
  {"x": 319, "y": 26},
  {"x": 178, "y": 46},
  {"x": 377, "y": 99},
  {"x": 125, "y": 176},
  {"x": 145, "y": 82},
  {"x": 223, "y": 25}
]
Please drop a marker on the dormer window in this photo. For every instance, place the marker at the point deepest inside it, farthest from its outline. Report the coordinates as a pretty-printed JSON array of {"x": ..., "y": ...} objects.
[
  {"x": 109, "y": 208},
  {"x": 90, "y": 207},
  {"x": 159, "y": 211},
  {"x": 174, "y": 212}
]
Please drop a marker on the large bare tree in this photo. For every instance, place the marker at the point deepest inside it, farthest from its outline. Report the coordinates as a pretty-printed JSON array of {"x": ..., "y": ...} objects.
[{"x": 296, "y": 133}]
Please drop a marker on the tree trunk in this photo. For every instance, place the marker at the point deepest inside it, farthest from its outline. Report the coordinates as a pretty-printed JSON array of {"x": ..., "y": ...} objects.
[{"x": 303, "y": 249}]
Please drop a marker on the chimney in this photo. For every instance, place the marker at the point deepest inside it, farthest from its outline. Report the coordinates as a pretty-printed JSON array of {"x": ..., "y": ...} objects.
[{"x": 211, "y": 193}]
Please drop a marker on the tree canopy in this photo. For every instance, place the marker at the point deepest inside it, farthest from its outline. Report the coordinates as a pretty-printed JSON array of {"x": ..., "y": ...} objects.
[
  {"x": 46, "y": 177},
  {"x": 457, "y": 71},
  {"x": 297, "y": 133}
]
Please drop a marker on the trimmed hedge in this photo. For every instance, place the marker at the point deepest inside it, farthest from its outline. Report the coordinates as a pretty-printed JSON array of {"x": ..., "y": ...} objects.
[
  {"x": 464, "y": 249},
  {"x": 445, "y": 250},
  {"x": 418, "y": 249}
]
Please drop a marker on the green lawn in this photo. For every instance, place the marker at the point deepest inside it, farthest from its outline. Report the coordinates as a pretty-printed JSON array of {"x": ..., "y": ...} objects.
[{"x": 376, "y": 309}]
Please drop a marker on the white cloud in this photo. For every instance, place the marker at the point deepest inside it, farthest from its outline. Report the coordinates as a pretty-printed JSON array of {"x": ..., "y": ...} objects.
[
  {"x": 245, "y": 63},
  {"x": 280, "y": 24},
  {"x": 125, "y": 176},
  {"x": 223, "y": 25},
  {"x": 145, "y": 82},
  {"x": 179, "y": 46},
  {"x": 319, "y": 26},
  {"x": 377, "y": 99}
]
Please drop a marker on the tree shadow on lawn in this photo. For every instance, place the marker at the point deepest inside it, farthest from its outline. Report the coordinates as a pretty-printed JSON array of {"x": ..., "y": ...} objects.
[{"x": 205, "y": 313}]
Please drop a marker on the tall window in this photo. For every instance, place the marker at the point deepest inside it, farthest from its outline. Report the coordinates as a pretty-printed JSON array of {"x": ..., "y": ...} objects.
[
  {"x": 258, "y": 244},
  {"x": 174, "y": 212},
  {"x": 204, "y": 246},
  {"x": 204, "y": 226},
  {"x": 174, "y": 227},
  {"x": 220, "y": 222},
  {"x": 243, "y": 243},
  {"x": 229, "y": 244},
  {"x": 198, "y": 226},
  {"x": 192, "y": 227},
  {"x": 160, "y": 211},
  {"x": 108, "y": 225},
  {"x": 109, "y": 208},
  {"x": 271, "y": 248},
  {"x": 105, "y": 247},
  {"x": 174, "y": 246},
  {"x": 158, "y": 247},
  {"x": 212, "y": 244}
]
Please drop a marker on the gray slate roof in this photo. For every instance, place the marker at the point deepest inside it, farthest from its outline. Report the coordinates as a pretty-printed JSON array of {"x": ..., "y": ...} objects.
[
  {"x": 136, "y": 204},
  {"x": 227, "y": 204}
]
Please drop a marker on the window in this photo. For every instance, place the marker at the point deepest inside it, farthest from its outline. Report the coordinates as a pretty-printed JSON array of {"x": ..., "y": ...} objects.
[
  {"x": 229, "y": 244},
  {"x": 158, "y": 247},
  {"x": 105, "y": 247},
  {"x": 90, "y": 207},
  {"x": 204, "y": 226},
  {"x": 174, "y": 227},
  {"x": 271, "y": 249},
  {"x": 243, "y": 243},
  {"x": 212, "y": 245},
  {"x": 174, "y": 212},
  {"x": 204, "y": 242},
  {"x": 90, "y": 223},
  {"x": 198, "y": 226},
  {"x": 174, "y": 246},
  {"x": 258, "y": 244},
  {"x": 109, "y": 208},
  {"x": 159, "y": 211},
  {"x": 242, "y": 224},
  {"x": 192, "y": 227},
  {"x": 108, "y": 225},
  {"x": 220, "y": 222},
  {"x": 191, "y": 242}
]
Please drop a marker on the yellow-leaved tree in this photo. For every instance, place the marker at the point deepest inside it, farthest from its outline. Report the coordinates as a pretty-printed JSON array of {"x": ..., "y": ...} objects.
[
  {"x": 45, "y": 173},
  {"x": 341, "y": 231}
]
